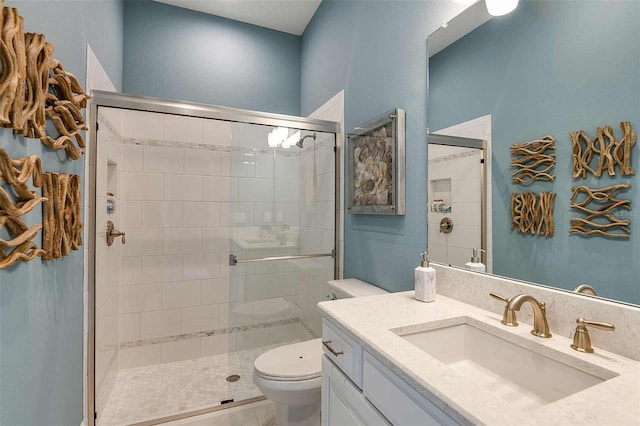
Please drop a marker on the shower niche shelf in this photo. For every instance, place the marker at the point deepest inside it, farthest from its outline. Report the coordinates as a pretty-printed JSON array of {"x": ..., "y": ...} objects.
[{"x": 441, "y": 196}]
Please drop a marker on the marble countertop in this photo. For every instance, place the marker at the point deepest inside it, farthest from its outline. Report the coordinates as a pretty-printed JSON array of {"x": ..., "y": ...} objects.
[{"x": 371, "y": 319}]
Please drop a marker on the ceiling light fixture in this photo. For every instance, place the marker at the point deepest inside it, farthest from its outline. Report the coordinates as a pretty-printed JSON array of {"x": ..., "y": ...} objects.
[{"x": 500, "y": 7}]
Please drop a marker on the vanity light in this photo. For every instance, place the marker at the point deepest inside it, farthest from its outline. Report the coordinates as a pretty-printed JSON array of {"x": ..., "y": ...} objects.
[{"x": 500, "y": 7}]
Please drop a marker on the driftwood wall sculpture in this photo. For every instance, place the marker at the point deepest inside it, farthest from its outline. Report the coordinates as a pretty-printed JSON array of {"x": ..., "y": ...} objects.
[
  {"x": 13, "y": 60},
  {"x": 605, "y": 149},
  {"x": 61, "y": 215},
  {"x": 34, "y": 86},
  {"x": 64, "y": 104},
  {"x": 600, "y": 220},
  {"x": 534, "y": 160},
  {"x": 16, "y": 201},
  {"x": 533, "y": 214}
]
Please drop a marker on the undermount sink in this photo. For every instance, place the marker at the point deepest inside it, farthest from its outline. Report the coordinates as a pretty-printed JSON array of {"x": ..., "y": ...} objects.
[{"x": 525, "y": 378}]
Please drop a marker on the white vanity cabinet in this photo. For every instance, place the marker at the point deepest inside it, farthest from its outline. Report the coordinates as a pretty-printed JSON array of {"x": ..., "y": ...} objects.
[
  {"x": 357, "y": 389},
  {"x": 343, "y": 404}
]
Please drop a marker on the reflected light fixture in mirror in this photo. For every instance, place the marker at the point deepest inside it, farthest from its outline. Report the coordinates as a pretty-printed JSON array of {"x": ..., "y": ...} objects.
[
  {"x": 291, "y": 140},
  {"x": 500, "y": 7},
  {"x": 276, "y": 136}
]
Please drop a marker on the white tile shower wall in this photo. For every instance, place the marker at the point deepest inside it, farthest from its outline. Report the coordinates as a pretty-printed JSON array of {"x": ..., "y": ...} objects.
[
  {"x": 107, "y": 340},
  {"x": 175, "y": 273},
  {"x": 478, "y": 128}
]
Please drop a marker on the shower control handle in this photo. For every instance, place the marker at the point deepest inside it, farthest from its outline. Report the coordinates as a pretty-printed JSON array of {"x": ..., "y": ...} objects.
[
  {"x": 446, "y": 225},
  {"x": 112, "y": 233},
  {"x": 327, "y": 344}
]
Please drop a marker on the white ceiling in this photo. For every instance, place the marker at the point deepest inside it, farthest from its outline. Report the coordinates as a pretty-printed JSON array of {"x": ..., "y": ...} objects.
[{"x": 289, "y": 16}]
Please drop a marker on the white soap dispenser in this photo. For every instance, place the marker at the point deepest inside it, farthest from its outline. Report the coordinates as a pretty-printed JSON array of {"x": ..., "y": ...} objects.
[
  {"x": 425, "y": 277},
  {"x": 476, "y": 264}
]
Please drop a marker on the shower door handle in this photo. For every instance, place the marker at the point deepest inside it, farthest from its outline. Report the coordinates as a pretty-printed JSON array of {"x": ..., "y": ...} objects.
[
  {"x": 233, "y": 260},
  {"x": 112, "y": 233}
]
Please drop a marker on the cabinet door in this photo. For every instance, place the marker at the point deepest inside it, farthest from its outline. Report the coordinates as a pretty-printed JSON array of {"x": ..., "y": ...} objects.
[
  {"x": 397, "y": 400},
  {"x": 342, "y": 402}
]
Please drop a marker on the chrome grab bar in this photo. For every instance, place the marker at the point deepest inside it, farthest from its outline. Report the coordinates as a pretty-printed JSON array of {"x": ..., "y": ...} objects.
[
  {"x": 233, "y": 260},
  {"x": 327, "y": 345}
]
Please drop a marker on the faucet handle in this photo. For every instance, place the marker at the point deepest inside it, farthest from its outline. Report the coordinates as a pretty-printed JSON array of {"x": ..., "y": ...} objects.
[
  {"x": 499, "y": 297},
  {"x": 581, "y": 340},
  {"x": 509, "y": 316}
]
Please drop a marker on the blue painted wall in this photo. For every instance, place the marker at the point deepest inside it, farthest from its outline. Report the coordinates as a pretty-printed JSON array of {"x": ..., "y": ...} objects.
[
  {"x": 376, "y": 51},
  {"x": 176, "y": 53},
  {"x": 41, "y": 303},
  {"x": 551, "y": 68}
]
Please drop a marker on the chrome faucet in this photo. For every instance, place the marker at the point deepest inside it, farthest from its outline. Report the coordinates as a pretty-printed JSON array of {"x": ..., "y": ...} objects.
[{"x": 540, "y": 325}]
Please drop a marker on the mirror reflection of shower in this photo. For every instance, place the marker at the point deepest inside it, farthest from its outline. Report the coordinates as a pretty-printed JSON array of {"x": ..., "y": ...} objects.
[{"x": 459, "y": 192}]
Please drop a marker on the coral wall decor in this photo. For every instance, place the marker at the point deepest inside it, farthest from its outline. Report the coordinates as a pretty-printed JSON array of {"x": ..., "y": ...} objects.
[
  {"x": 601, "y": 218},
  {"x": 608, "y": 152},
  {"x": 61, "y": 215},
  {"x": 34, "y": 86},
  {"x": 534, "y": 160},
  {"x": 533, "y": 214},
  {"x": 16, "y": 201}
]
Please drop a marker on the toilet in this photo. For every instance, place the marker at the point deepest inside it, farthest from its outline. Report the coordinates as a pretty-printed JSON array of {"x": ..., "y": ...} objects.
[{"x": 291, "y": 375}]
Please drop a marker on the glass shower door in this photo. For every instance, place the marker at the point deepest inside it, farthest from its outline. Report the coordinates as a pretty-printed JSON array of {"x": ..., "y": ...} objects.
[
  {"x": 177, "y": 329},
  {"x": 282, "y": 224}
]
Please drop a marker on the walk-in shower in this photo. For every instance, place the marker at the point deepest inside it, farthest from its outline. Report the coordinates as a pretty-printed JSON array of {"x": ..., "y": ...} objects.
[{"x": 229, "y": 240}]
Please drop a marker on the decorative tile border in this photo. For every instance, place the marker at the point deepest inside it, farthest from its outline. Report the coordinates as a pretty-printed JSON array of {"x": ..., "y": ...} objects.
[
  {"x": 103, "y": 121},
  {"x": 209, "y": 147},
  {"x": 457, "y": 155},
  {"x": 229, "y": 330}
]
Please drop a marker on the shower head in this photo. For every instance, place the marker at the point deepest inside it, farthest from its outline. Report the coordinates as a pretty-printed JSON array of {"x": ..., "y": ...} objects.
[{"x": 300, "y": 143}]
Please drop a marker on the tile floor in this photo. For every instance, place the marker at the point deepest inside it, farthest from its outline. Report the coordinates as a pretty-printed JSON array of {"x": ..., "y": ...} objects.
[
  {"x": 156, "y": 391},
  {"x": 262, "y": 413}
]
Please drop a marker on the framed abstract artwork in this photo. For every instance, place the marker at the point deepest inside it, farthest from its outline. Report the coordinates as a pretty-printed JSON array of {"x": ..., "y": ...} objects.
[{"x": 375, "y": 165}]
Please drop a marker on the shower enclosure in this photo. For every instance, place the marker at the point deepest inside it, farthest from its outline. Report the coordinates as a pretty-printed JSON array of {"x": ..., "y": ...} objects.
[{"x": 223, "y": 235}]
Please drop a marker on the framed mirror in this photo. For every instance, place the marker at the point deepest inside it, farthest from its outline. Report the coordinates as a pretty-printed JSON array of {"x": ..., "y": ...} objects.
[{"x": 548, "y": 68}]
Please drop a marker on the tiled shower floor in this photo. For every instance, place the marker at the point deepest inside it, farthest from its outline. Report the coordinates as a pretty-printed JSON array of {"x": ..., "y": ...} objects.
[{"x": 156, "y": 391}]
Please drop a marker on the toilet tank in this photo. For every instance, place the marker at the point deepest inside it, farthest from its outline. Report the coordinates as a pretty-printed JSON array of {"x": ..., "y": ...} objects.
[{"x": 352, "y": 287}]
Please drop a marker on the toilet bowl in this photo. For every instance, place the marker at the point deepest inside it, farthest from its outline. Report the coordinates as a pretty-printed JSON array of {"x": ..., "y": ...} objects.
[{"x": 291, "y": 375}]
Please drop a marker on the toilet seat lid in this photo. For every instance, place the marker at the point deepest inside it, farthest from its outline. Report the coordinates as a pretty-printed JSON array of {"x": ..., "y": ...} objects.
[{"x": 296, "y": 361}]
